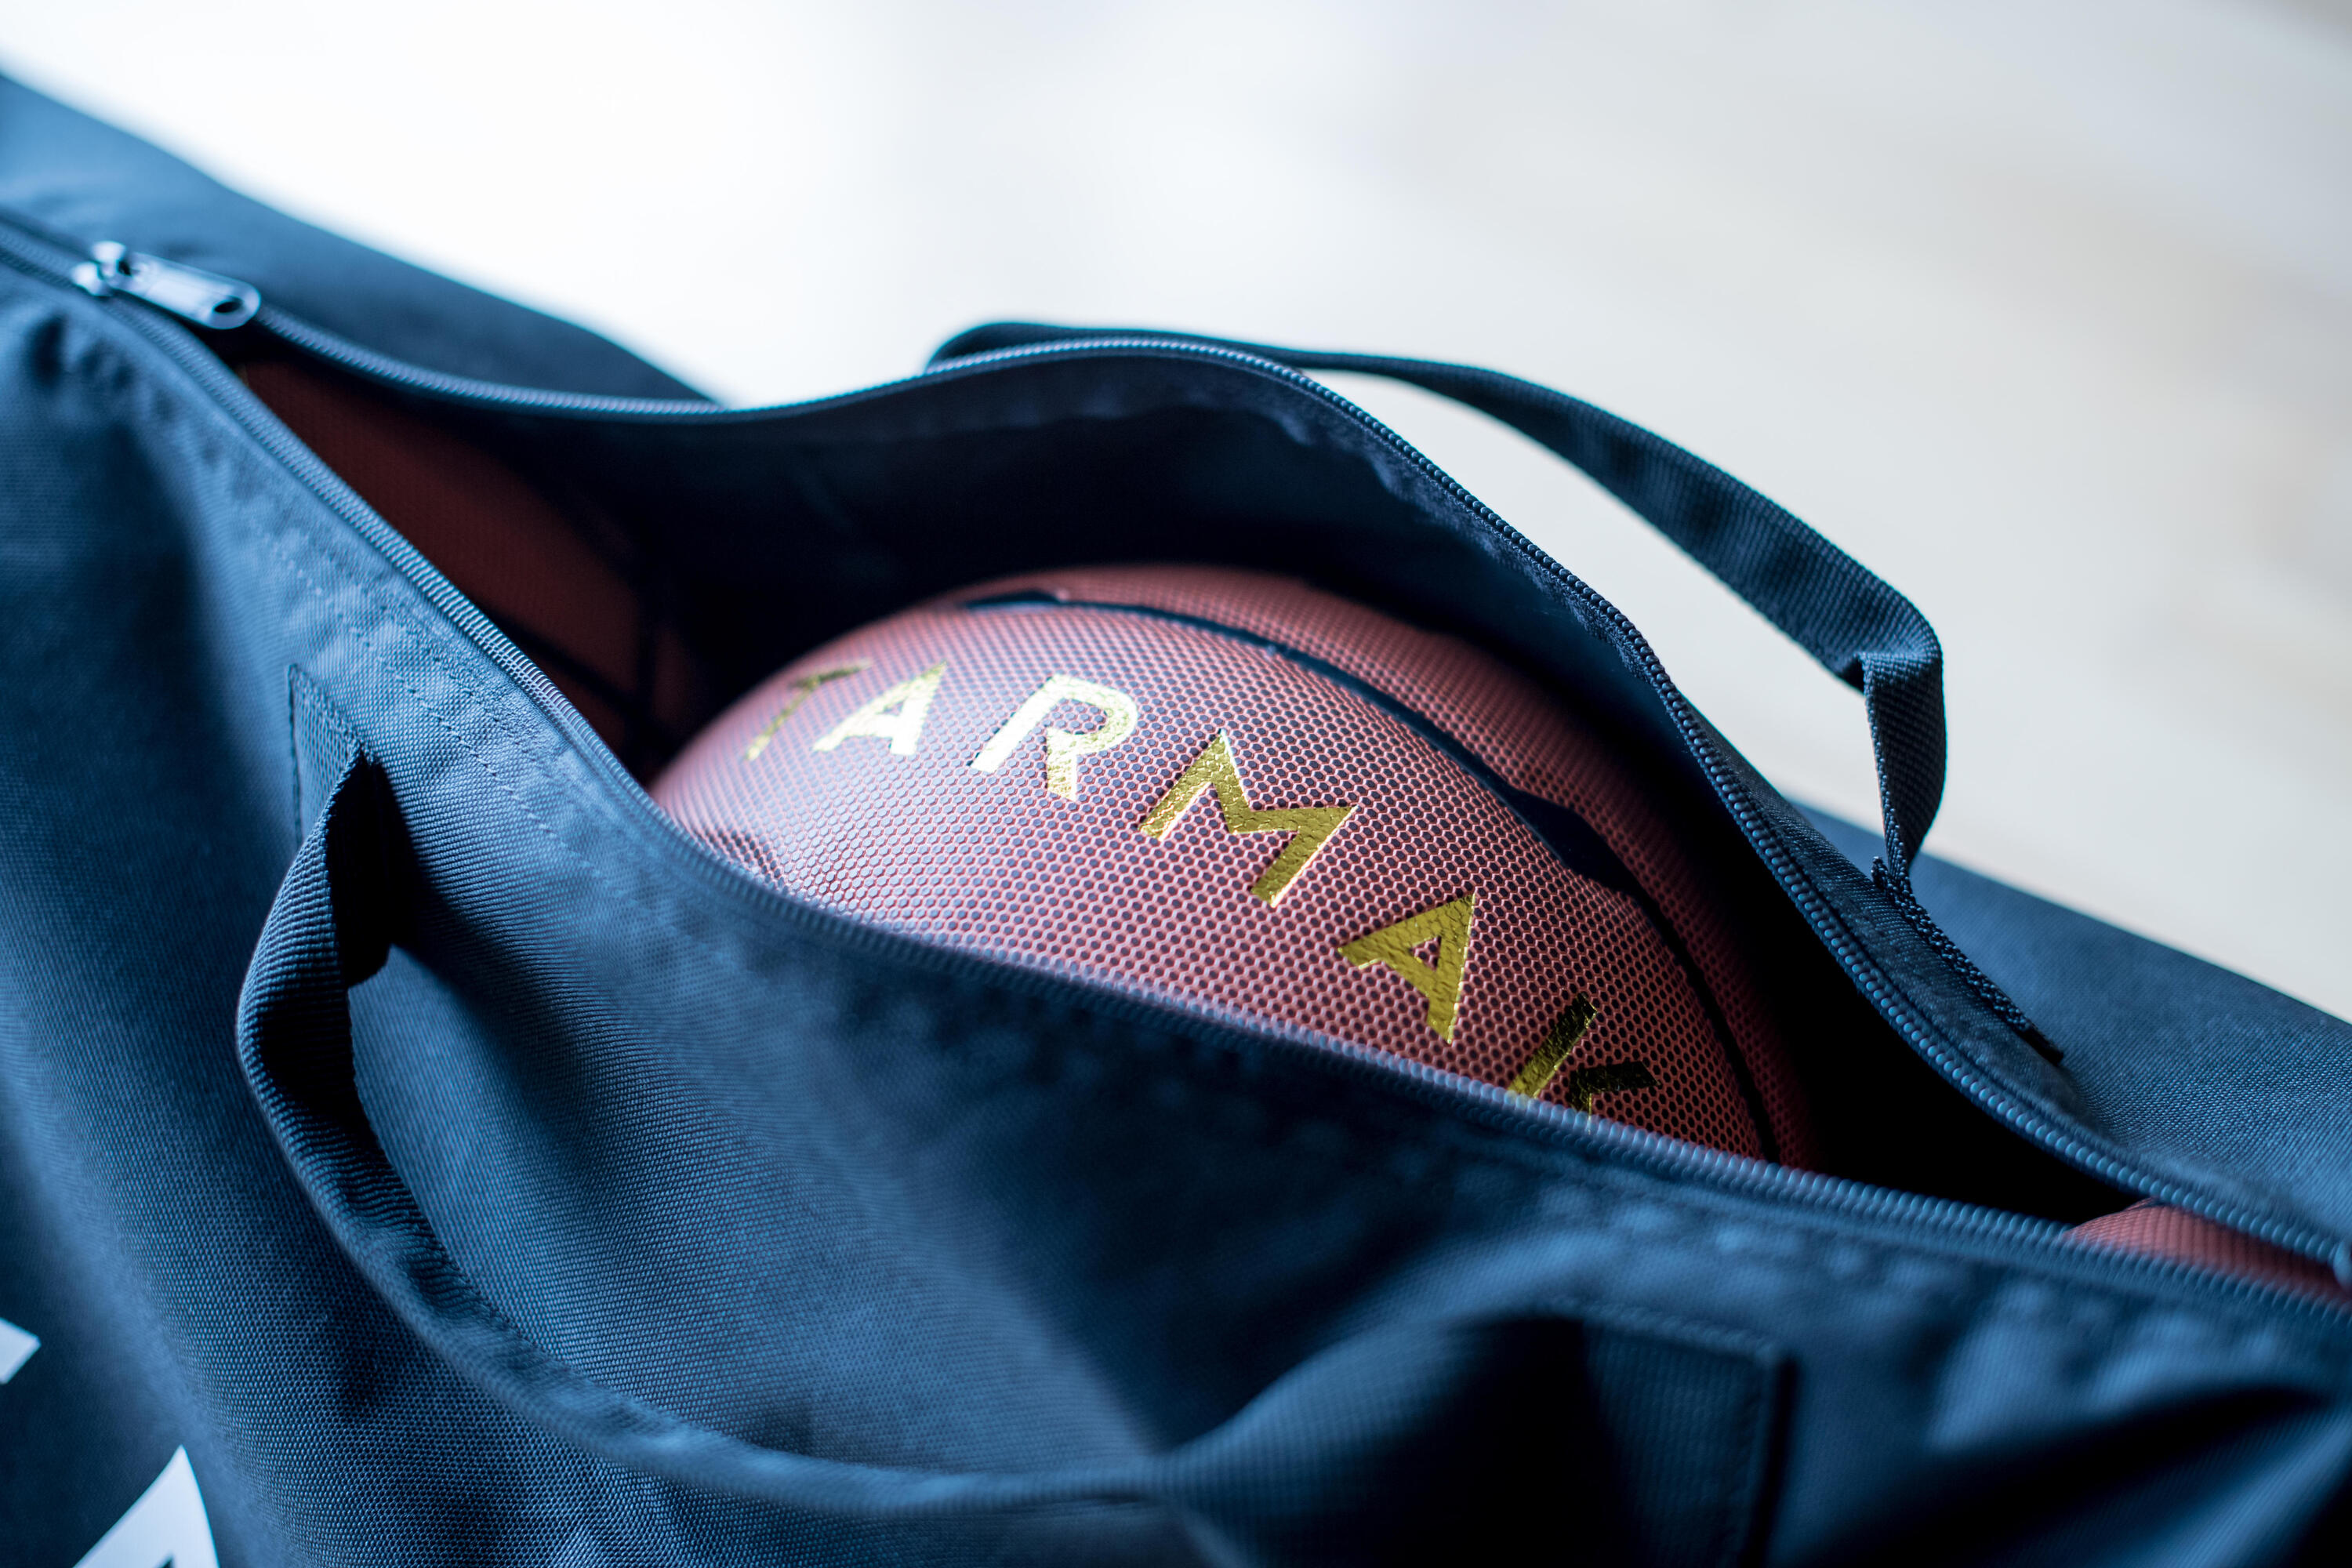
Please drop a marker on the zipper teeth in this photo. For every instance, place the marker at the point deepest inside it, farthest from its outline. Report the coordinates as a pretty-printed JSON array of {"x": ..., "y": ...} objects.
[
  {"x": 37, "y": 252},
  {"x": 349, "y": 355},
  {"x": 207, "y": 369},
  {"x": 1888, "y": 998},
  {"x": 1890, "y": 1001},
  {"x": 1490, "y": 1106}
]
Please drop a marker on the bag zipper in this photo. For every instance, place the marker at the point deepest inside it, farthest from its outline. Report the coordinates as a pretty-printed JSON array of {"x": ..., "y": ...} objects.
[{"x": 205, "y": 299}]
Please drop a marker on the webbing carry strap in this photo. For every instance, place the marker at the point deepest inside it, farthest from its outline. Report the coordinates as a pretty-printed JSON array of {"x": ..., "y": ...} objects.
[{"x": 1858, "y": 626}]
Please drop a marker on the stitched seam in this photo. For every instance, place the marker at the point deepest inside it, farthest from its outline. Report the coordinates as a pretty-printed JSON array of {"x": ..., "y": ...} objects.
[
  {"x": 1736, "y": 1519},
  {"x": 294, "y": 743},
  {"x": 399, "y": 620}
]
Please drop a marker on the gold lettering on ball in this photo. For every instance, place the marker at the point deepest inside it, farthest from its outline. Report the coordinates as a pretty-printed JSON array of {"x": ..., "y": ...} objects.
[
  {"x": 1214, "y": 770},
  {"x": 897, "y": 716},
  {"x": 1063, "y": 747},
  {"x": 1560, "y": 1043},
  {"x": 1448, "y": 925},
  {"x": 802, "y": 689}
]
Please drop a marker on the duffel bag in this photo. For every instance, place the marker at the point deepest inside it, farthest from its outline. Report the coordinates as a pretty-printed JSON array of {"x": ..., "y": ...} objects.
[{"x": 418, "y": 1149}]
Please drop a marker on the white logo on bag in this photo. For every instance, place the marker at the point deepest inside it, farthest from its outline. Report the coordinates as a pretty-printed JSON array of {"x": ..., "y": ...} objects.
[
  {"x": 16, "y": 1347},
  {"x": 166, "y": 1528},
  {"x": 166, "y": 1525}
]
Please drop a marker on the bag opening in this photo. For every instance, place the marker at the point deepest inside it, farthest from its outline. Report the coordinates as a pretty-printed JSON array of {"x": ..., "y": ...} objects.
[{"x": 655, "y": 570}]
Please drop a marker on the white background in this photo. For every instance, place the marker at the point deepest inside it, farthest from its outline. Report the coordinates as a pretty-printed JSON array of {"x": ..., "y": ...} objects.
[{"x": 2043, "y": 307}]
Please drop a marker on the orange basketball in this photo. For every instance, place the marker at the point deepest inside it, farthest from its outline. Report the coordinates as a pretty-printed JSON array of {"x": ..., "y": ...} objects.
[{"x": 1242, "y": 795}]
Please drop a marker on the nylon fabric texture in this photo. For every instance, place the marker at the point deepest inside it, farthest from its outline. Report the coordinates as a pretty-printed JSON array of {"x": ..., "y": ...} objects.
[{"x": 417, "y": 1150}]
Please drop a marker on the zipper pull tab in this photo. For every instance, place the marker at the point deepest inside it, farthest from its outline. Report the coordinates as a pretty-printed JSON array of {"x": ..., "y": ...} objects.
[{"x": 207, "y": 299}]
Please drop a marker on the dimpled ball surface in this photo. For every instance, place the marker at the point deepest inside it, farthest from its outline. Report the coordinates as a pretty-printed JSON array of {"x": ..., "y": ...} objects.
[{"x": 1245, "y": 796}]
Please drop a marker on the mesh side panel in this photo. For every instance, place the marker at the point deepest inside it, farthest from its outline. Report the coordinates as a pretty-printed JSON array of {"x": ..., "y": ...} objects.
[
  {"x": 995, "y": 862},
  {"x": 2167, "y": 1231}
]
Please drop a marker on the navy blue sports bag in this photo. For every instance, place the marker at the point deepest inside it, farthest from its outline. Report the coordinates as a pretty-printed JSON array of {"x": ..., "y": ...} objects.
[{"x": 414, "y": 1149}]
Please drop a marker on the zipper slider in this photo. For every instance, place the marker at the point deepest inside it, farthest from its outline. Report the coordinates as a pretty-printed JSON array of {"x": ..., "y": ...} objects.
[{"x": 207, "y": 299}]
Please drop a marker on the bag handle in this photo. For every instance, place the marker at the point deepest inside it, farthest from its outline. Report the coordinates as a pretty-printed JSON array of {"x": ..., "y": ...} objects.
[
  {"x": 1855, "y": 623},
  {"x": 1360, "y": 1439}
]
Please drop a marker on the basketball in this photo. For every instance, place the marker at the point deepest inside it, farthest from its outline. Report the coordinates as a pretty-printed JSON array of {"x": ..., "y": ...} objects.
[{"x": 1251, "y": 799}]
